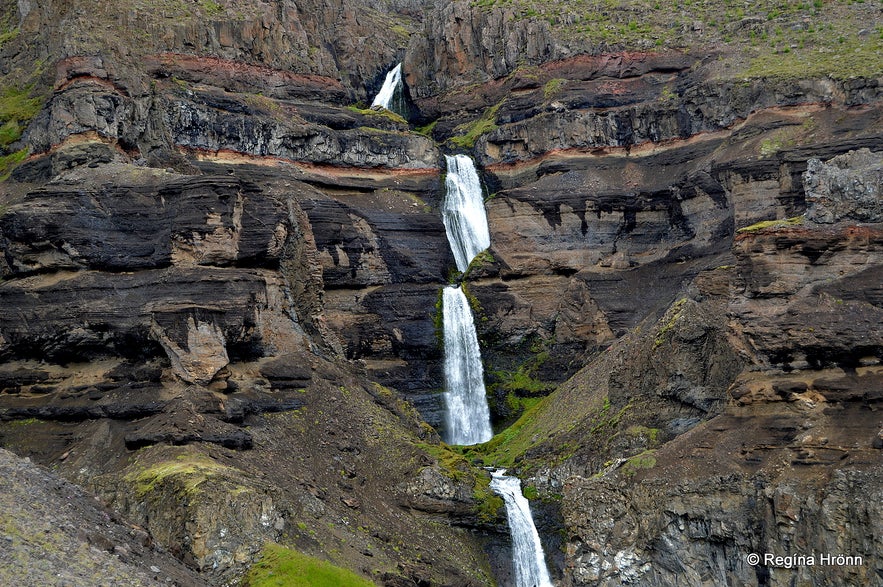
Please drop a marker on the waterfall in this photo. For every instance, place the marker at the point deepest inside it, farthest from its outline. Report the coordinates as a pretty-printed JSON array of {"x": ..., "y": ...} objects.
[
  {"x": 468, "y": 416},
  {"x": 527, "y": 551},
  {"x": 391, "y": 95},
  {"x": 463, "y": 213}
]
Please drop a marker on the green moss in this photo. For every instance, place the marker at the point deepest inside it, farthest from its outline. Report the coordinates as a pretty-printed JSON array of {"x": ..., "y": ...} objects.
[
  {"x": 438, "y": 319},
  {"x": 470, "y": 132},
  {"x": 212, "y": 8},
  {"x": 474, "y": 304},
  {"x": 9, "y": 35},
  {"x": 645, "y": 460},
  {"x": 261, "y": 102},
  {"x": 488, "y": 503},
  {"x": 426, "y": 130},
  {"x": 188, "y": 470},
  {"x": 483, "y": 258},
  {"x": 651, "y": 434},
  {"x": 674, "y": 313},
  {"x": 453, "y": 464},
  {"x": 505, "y": 447},
  {"x": 283, "y": 567},
  {"x": 17, "y": 108},
  {"x": 378, "y": 112},
  {"x": 17, "y": 104},
  {"x": 25, "y": 422},
  {"x": 794, "y": 221},
  {"x": 10, "y": 162},
  {"x": 530, "y": 492},
  {"x": 400, "y": 30},
  {"x": 9, "y": 132},
  {"x": 552, "y": 87}
]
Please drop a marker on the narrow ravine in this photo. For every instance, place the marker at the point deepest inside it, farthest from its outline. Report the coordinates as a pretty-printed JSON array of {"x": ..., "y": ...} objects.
[{"x": 468, "y": 417}]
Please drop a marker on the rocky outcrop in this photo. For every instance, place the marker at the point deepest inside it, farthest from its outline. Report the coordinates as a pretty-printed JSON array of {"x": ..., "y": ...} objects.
[
  {"x": 55, "y": 533},
  {"x": 798, "y": 420},
  {"x": 849, "y": 187},
  {"x": 704, "y": 531},
  {"x": 209, "y": 258}
]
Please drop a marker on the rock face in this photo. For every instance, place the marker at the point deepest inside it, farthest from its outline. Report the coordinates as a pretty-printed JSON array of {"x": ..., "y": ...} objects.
[
  {"x": 798, "y": 420},
  {"x": 46, "y": 519},
  {"x": 220, "y": 279},
  {"x": 849, "y": 187}
]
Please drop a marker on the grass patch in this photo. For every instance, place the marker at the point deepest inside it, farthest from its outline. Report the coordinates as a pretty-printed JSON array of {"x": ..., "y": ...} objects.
[
  {"x": 18, "y": 104},
  {"x": 674, "y": 314},
  {"x": 505, "y": 447},
  {"x": 10, "y": 162},
  {"x": 470, "y": 132},
  {"x": 427, "y": 129},
  {"x": 552, "y": 87},
  {"x": 188, "y": 470},
  {"x": 651, "y": 434},
  {"x": 851, "y": 57},
  {"x": 283, "y": 567},
  {"x": 26, "y": 421},
  {"x": 211, "y": 8},
  {"x": 645, "y": 460},
  {"x": 794, "y": 221},
  {"x": 488, "y": 503},
  {"x": 381, "y": 112},
  {"x": 777, "y": 38}
]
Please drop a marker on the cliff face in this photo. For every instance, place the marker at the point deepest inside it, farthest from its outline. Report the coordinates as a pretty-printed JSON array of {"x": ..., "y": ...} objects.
[{"x": 215, "y": 263}]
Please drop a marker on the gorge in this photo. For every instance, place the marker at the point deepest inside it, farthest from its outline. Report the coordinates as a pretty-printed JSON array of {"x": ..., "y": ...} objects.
[{"x": 223, "y": 281}]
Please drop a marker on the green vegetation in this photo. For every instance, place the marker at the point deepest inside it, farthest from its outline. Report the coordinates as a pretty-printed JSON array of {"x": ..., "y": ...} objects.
[
  {"x": 438, "y": 319},
  {"x": 488, "y": 502},
  {"x": 505, "y": 447},
  {"x": 839, "y": 57},
  {"x": 552, "y": 87},
  {"x": 794, "y": 221},
  {"x": 283, "y": 567},
  {"x": 674, "y": 313},
  {"x": 530, "y": 492},
  {"x": 456, "y": 467},
  {"x": 212, "y": 8},
  {"x": 645, "y": 460},
  {"x": 26, "y": 421},
  {"x": 17, "y": 108},
  {"x": 470, "y": 132},
  {"x": 781, "y": 38},
  {"x": 651, "y": 434},
  {"x": 9, "y": 162},
  {"x": 426, "y": 130},
  {"x": 189, "y": 470},
  {"x": 381, "y": 112}
]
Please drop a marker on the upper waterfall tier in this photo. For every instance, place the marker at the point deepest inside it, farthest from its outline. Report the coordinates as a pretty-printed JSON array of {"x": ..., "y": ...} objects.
[
  {"x": 469, "y": 419},
  {"x": 527, "y": 551},
  {"x": 391, "y": 95},
  {"x": 463, "y": 212}
]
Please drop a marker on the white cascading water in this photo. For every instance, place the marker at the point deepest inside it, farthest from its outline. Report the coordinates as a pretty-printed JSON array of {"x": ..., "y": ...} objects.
[
  {"x": 468, "y": 416},
  {"x": 463, "y": 213},
  {"x": 390, "y": 95},
  {"x": 527, "y": 551}
]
